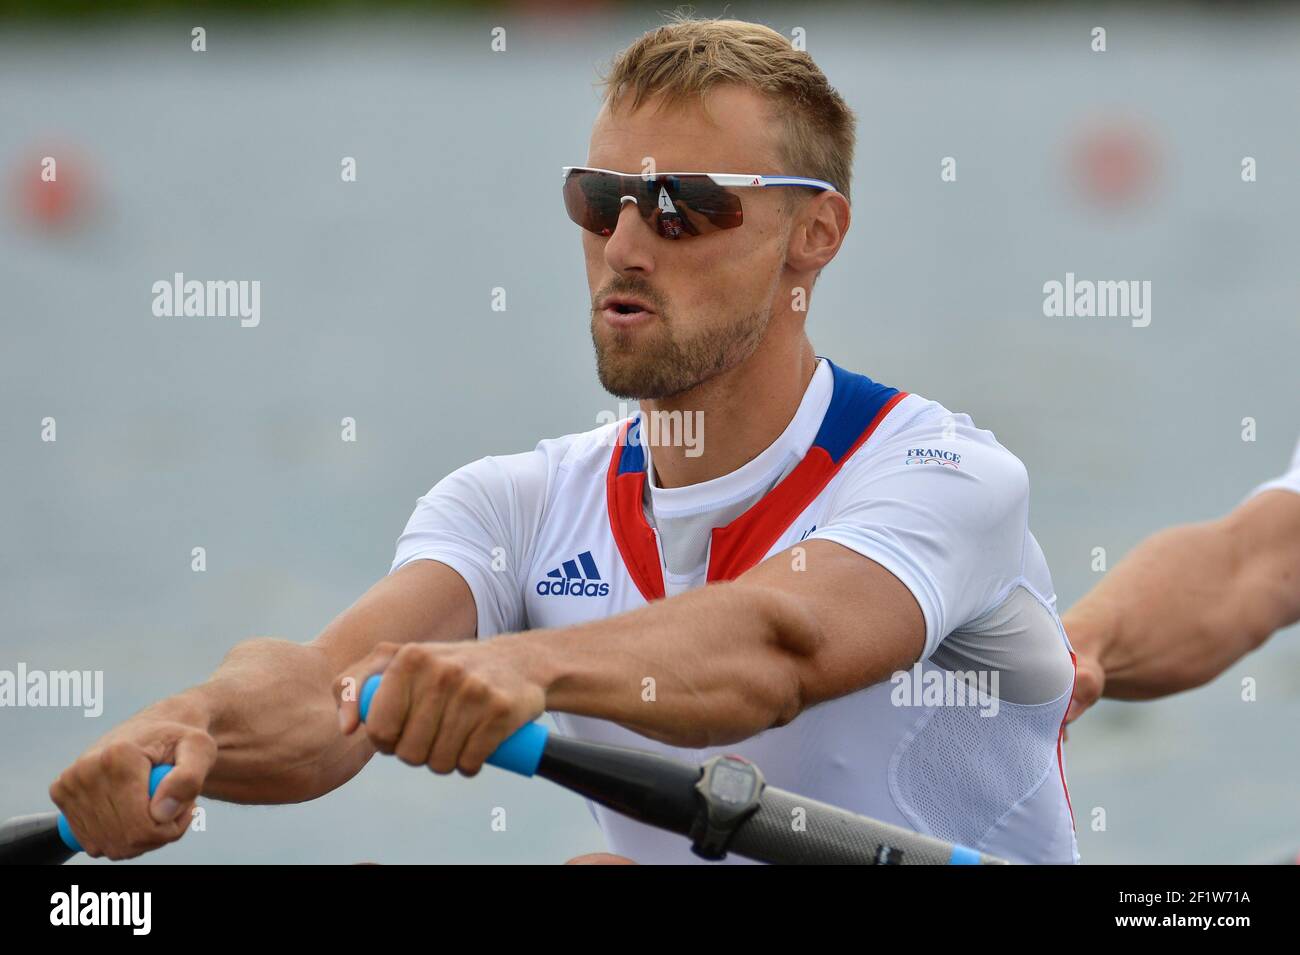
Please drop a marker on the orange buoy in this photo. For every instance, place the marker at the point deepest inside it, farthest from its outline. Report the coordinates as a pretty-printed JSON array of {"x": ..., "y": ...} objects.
[
  {"x": 1114, "y": 163},
  {"x": 52, "y": 187}
]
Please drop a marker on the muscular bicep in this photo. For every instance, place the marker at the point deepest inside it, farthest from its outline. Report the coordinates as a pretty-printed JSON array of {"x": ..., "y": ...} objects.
[
  {"x": 866, "y": 623},
  {"x": 421, "y": 601}
]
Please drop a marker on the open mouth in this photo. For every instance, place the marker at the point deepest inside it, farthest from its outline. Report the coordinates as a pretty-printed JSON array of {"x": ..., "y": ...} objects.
[{"x": 625, "y": 311}]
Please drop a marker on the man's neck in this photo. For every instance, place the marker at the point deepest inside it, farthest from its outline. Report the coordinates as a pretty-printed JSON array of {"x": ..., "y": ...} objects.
[{"x": 736, "y": 415}]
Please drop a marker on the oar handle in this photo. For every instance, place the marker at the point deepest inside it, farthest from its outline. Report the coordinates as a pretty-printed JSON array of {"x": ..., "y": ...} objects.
[
  {"x": 156, "y": 776},
  {"x": 520, "y": 753}
]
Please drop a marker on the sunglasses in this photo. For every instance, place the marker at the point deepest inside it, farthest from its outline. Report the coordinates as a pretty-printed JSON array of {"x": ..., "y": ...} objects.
[{"x": 674, "y": 204}]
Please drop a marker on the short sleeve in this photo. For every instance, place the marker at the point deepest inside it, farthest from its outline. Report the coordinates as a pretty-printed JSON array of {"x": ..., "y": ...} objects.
[
  {"x": 1287, "y": 482},
  {"x": 943, "y": 508},
  {"x": 481, "y": 520}
]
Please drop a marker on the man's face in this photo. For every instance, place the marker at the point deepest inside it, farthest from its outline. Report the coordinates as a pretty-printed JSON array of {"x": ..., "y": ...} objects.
[{"x": 710, "y": 296}]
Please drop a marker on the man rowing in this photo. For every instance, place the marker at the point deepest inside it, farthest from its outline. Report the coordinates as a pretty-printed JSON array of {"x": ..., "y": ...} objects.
[
  {"x": 751, "y": 593},
  {"x": 1190, "y": 601}
]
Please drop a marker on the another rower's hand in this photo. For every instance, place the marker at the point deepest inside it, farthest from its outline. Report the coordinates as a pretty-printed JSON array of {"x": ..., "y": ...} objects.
[
  {"x": 443, "y": 705},
  {"x": 1090, "y": 635},
  {"x": 105, "y": 793},
  {"x": 1089, "y": 682}
]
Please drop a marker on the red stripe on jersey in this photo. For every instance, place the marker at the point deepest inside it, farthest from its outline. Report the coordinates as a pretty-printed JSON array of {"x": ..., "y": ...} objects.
[
  {"x": 741, "y": 544},
  {"x": 1060, "y": 763},
  {"x": 746, "y": 540},
  {"x": 632, "y": 532}
]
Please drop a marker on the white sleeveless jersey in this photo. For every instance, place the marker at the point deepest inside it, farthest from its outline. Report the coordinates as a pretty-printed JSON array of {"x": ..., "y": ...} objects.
[{"x": 561, "y": 535}]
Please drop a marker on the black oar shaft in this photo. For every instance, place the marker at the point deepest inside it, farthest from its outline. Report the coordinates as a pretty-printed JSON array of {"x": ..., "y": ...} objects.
[
  {"x": 33, "y": 840},
  {"x": 643, "y": 786}
]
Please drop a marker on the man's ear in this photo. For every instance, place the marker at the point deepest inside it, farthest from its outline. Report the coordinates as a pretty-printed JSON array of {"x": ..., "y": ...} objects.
[{"x": 819, "y": 231}]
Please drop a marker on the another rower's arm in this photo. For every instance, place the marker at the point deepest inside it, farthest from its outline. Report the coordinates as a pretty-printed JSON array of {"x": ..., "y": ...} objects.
[
  {"x": 1189, "y": 602},
  {"x": 271, "y": 705}
]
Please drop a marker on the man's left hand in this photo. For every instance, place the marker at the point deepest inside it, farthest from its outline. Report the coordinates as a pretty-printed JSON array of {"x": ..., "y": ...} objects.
[{"x": 443, "y": 705}]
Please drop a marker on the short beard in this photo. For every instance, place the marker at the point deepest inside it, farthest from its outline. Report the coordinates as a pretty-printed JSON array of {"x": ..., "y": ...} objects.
[{"x": 665, "y": 367}]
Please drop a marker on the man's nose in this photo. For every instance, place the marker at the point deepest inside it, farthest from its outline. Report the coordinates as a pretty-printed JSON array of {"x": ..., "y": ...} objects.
[{"x": 630, "y": 246}]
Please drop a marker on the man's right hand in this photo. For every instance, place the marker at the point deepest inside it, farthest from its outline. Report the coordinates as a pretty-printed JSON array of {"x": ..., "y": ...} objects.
[{"x": 105, "y": 793}]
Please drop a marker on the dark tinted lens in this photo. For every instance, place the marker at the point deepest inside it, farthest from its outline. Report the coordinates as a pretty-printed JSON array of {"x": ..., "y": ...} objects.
[
  {"x": 591, "y": 199},
  {"x": 676, "y": 206},
  {"x": 706, "y": 205}
]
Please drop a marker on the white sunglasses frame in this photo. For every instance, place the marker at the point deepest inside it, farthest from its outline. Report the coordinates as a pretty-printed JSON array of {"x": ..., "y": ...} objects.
[{"x": 735, "y": 180}]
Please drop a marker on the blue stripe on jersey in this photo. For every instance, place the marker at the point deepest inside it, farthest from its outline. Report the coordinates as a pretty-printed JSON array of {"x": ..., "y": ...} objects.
[
  {"x": 632, "y": 459},
  {"x": 855, "y": 403}
]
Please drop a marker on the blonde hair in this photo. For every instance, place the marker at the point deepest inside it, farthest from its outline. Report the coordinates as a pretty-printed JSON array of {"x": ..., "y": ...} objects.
[{"x": 687, "y": 57}]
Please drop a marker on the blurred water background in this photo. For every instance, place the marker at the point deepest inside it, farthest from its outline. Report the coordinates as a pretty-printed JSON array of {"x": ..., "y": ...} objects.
[{"x": 376, "y": 305}]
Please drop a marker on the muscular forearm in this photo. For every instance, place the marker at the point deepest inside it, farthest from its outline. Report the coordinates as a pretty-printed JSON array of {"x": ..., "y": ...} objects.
[
  {"x": 271, "y": 707},
  {"x": 1189, "y": 601},
  {"x": 257, "y": 731},
  {"x": 712, "y": 666},
  {"x": 265, "y": 728},
  {"x": 271, "y": 710}
]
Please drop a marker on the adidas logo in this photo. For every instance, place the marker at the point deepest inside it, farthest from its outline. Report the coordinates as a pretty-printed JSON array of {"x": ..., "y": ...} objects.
[{"x": 568, "y": 580}]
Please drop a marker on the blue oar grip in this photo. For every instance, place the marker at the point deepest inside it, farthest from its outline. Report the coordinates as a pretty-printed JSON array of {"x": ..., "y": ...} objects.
[
  {"x": 963, "y": 856},
  {"x": 519, "y": 753},
  {"x": 65, "y": 831}
]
